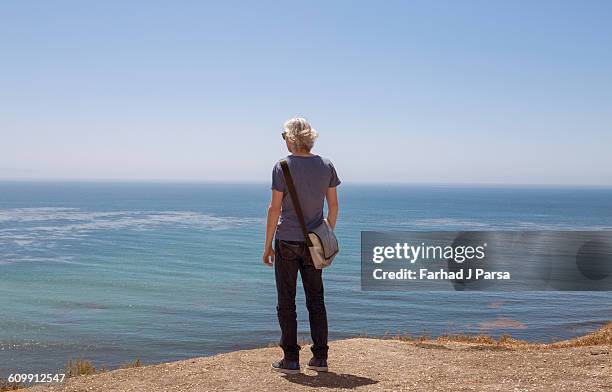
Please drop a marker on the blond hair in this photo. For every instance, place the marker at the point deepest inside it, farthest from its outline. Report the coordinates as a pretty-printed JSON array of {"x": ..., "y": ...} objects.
[{"x": 299, "y": 132}]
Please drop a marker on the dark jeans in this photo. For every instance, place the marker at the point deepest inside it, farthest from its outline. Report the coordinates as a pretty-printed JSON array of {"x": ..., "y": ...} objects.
[{"x": 291, "y": 257}]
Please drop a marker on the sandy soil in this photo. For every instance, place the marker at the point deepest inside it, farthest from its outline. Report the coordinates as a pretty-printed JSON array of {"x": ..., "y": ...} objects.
[{"x": 363, "y": 364}]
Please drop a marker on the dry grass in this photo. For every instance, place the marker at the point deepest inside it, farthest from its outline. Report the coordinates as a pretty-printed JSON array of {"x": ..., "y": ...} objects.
[
  {"x": 74, "y": 368},
  {"x": 10, "y": 386},
  {"x": 136, "y": 363},
  {"x": 81, "y": 367},
  {"x": 602, "y": 336}
]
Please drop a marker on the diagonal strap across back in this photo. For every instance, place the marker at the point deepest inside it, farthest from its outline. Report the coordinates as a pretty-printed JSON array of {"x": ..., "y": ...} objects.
[{"x": 295, "y": 200}]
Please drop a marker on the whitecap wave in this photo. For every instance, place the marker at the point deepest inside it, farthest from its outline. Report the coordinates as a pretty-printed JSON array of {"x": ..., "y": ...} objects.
[
  {"x": 40, "y": 228},
  {"x": 431, "y": 223}
]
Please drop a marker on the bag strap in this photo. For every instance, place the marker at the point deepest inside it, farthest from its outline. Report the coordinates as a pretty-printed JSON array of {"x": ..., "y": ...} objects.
[{"x": 295, "y": 200}]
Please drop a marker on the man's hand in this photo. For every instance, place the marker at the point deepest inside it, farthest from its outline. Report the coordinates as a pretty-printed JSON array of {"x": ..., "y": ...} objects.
[{"x": 268, "y": 256}]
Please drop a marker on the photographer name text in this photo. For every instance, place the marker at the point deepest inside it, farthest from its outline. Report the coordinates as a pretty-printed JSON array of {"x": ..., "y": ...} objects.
[{"x": 425, "y": 274}]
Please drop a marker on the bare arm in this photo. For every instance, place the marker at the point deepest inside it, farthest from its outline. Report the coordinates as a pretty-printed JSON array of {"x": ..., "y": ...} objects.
[
  {"x": 274, "y": 211},
  {"x": 332, "y": 206}
]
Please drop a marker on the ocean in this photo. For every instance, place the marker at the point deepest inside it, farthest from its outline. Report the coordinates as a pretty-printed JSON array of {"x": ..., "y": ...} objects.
[{"x": 114, "y": 271}]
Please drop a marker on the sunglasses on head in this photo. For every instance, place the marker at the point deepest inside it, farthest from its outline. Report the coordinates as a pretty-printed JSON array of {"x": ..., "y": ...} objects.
[{"x": 283, "y": 135}]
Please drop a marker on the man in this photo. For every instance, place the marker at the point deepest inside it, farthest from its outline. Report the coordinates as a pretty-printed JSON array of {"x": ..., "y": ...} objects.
[{"x": 315, "y": 181}]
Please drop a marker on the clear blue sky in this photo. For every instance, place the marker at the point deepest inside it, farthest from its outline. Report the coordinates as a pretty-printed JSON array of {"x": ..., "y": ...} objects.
[{"x": 408, "y": 91}]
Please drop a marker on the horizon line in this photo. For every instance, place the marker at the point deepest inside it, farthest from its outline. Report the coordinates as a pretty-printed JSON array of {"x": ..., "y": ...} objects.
[{"x": 345, "y": 182}]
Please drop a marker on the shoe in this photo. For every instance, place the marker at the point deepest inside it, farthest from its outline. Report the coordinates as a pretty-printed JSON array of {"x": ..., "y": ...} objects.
[
  {"x": 287, "y": 367},
  {"x": 320, "y": 365}
]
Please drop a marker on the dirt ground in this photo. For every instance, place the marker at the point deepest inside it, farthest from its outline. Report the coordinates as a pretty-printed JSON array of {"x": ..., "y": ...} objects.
[{"x": 364, "y": 364}]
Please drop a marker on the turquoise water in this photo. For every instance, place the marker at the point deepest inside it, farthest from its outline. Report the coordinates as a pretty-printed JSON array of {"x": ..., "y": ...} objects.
[{"x": 115, "y": 271}]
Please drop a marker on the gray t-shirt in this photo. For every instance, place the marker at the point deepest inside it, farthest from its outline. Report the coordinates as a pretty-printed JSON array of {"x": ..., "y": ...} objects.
[{"x": 312, "y": 175}]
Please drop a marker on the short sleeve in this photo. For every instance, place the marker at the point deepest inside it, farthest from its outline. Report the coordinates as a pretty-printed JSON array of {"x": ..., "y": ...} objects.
[
  {"x": 334, "y": 181},
  {"x": 278, "y": 180}
]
